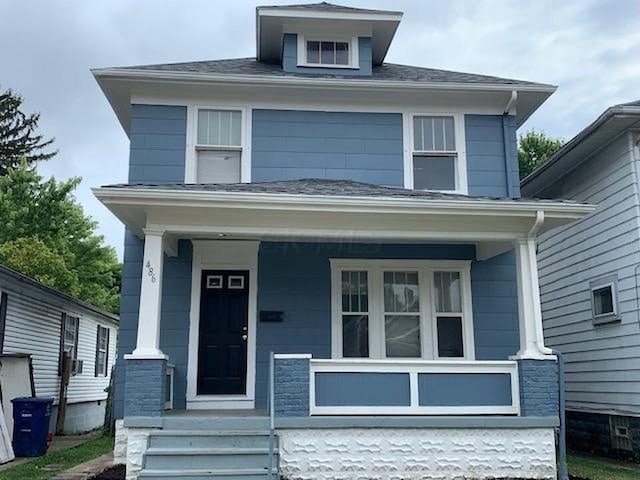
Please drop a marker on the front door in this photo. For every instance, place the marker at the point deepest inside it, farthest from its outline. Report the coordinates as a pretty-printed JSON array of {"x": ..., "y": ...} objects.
[{"x": 222, "y": 348}]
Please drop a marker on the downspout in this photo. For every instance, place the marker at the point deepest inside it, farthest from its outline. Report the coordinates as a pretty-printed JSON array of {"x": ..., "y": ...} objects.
[
  {"x": 563, "y": 471},
  {"x": 509, "y": 109}
]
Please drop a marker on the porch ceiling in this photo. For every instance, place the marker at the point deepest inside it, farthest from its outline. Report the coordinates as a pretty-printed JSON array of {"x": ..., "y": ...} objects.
[{"x": 393, "y": 215}]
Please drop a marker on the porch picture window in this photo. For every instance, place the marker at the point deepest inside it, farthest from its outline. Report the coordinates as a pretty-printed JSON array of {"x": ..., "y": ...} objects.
[
  {"x": 434, "y": 153},
  {"x": 449, "y": 317},
  {"x": 102, "y": 351},
  {"x": 355, "y": 314},
  {"x": 219, "y": 146},
  {"x": 402, "y": 314}
]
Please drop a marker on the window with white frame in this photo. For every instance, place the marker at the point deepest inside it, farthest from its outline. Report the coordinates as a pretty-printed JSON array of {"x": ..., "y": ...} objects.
[
  {"x": 434, "y": 153},
  {"x": 327, "y": 52},
  {"x": 604, "y": 301},
  {"x": 401, "y": 309},
  {"x": 102, "y": 351},
  {"x": 218, "y": 146},
  {"x": 69, "y": 342}
]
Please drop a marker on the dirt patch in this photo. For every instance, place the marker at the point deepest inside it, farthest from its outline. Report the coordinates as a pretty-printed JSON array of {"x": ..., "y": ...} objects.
[{"x": 117, "y": 472}]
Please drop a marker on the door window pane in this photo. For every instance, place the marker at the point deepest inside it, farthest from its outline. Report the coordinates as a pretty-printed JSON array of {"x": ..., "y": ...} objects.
[
  {"x": 219, "y": 127},
  {"x": 402, "y": 335},
  {"x": 355, "y": 335},
  {"x": 215, "y": 166},
  {"x": 447, "y": 292},
  {"x": 450, "y": 343},
  {"x": 431, "y": 172}
]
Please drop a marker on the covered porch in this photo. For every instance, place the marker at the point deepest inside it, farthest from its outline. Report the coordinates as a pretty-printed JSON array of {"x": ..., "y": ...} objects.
[{"x": 374, "y": 301}]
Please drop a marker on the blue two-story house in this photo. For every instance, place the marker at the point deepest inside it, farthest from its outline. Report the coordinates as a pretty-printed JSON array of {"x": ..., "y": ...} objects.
[{"x": 359, "y": 220}]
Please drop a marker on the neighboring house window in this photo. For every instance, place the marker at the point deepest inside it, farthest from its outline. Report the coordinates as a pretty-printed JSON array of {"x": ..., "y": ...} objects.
[
  {"x": 218, "y": 146},
  {"x": 69, "y": 342},
  {"x": 435, "y": 158},
  {"x": 401, "y": 309},
  {"x": 3, "y": 317},
  {"x": 102, "y": 351},
  {"x": 337, "y": 52},
  {"x": 604, "y": 302}
]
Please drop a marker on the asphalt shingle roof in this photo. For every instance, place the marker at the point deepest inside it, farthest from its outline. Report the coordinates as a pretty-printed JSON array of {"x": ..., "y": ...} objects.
[
  {"x": 315, "y": 186},
  {"x": 326, "y": 7},
  {"x": 384, "y": 72}
]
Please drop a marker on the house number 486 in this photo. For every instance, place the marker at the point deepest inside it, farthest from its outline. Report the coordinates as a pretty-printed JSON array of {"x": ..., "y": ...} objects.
[{"x": 150, "y": 273}]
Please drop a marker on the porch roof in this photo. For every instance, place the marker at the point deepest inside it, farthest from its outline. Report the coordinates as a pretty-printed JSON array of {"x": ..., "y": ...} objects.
[{"x": 333, "y": 210}]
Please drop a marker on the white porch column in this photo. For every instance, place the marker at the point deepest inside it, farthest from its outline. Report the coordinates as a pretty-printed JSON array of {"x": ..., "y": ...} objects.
[
  {"x": 148, "y": 342},
  {"x": 529, "y": 309}
]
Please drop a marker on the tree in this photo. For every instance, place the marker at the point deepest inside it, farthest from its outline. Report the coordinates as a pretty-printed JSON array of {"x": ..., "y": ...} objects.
[
  {"x": 534, "y": 149},
  {"x": 18, "y": 138},
  {"x": 46, "y": 234}
]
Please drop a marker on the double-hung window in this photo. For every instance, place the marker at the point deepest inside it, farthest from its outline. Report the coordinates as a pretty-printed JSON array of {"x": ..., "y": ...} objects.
[
  {"x": 435, "y": 157},
  {"x": 69, "y": 342},
  {"x": 401, "y": 309},
  {"x": 102, "y": 351},
  {"x": 218, "y": 145}
]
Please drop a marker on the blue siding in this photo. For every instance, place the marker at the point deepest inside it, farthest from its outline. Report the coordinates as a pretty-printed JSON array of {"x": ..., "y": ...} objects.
[
  {"x": 492, "y": 169},
  {"x": 176, "y": 303},
  {"x": 495, "y": 307},
  {"x": 158, "y": 143},
  {"x": 365, "y": 147},
  {"x": 296, "y": 278},
  {"x": 464, "y": 389},
  {"x": 362, "y": 389},
  {"x": 290, "y": 59}
]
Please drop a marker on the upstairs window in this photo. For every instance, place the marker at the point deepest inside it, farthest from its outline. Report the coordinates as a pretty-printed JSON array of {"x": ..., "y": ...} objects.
[
  {"x": 218, "y": 146},
  {"x": 327, "y": 53},
  {"x": 434, "y": 153}
]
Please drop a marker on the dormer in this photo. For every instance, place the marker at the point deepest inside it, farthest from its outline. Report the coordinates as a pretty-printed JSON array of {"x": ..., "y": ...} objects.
[{"x": 324, "y": 39}]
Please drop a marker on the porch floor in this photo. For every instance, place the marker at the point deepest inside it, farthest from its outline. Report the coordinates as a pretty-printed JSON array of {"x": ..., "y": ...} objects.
[{"x": 217, "y": 413}]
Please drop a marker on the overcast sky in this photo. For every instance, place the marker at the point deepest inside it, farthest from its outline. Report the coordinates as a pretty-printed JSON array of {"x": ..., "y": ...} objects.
[{"x": 590, "y": 49}]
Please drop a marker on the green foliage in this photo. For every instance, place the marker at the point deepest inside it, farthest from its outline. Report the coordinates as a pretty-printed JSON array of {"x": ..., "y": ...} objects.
[
  {"x": 595, "y": 468},
  {"x": 18, "y": 138},
  {"x": 47, "y": 235},
  {"x": 534, "y": 148}
]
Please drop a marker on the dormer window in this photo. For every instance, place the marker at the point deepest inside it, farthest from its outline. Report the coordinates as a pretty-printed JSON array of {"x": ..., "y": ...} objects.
[{"x": 327, "y": 52}]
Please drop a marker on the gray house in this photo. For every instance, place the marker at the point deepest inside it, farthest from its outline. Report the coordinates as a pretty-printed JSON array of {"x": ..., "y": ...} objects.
[
  {"x": 42, "y": 322},
  {"x": 589, "y": 275},
  {"x": 360, "y": 220}
]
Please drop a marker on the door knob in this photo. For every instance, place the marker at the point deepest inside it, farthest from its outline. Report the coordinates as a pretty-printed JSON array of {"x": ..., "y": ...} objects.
[{"x": 244, "y": 337}]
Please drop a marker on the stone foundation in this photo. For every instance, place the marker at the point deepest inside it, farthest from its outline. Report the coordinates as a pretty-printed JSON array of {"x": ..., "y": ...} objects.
[
  {"x": 130, "y": 446},
  {"x": 417, "y": 453}
]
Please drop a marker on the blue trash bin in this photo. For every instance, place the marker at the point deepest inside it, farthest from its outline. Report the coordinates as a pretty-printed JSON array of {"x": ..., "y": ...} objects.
[{"x": 31, "y": 425}]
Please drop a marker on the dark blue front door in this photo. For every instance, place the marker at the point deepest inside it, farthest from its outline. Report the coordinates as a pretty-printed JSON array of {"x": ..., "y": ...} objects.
[{"x": 222, "y": 348}]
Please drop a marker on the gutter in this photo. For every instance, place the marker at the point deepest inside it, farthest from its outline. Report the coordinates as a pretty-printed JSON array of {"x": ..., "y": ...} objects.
[
  {"x": 357, "y": 83},
  {"x": 608, "y": 114}
]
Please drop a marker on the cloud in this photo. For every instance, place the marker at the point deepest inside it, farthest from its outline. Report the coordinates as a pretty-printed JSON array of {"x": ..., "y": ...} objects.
[{"x": 587, "y": 48}]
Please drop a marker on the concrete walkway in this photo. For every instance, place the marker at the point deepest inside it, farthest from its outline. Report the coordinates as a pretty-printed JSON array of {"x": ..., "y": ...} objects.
[
  {"x": 59, "y": 443},
  {"x": 87, "y": 469}
]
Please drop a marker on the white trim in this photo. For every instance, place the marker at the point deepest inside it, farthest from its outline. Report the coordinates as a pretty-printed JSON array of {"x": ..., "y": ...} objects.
[
  {"x": 413, "y": 368},
  {"x": 292, "y": 356},
  {"x": 192, "y": 146},
  {"x": 352, "y": 55},
  {"x": 222, "y": 255},
  {"x": 428, "y": 328},
  {"x": 460, "y": 151}
]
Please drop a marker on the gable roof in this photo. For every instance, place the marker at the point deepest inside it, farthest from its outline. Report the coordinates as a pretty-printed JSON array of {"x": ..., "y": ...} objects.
[
  {"x": 384, "y": 72},
  {"x": 328, "y": 7},
  {"x": 614, "y": 121},
  {"x": 14, "y": 277}
]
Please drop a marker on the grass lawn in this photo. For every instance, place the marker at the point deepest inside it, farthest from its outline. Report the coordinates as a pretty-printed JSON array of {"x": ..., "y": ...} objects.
[
  {"x": 595, "y": 468},
  {"x": 51, "y": 464}
]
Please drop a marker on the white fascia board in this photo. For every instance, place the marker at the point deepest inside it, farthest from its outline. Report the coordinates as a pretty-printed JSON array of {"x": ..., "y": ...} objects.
[
  {"x": 320, "y": 14},
  {"x": 341, "y": 83},
  {"x": 338, "y": 203}
]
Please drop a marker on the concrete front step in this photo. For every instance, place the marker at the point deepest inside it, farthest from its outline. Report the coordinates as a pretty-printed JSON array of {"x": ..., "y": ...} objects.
[
  {"x": 182, "y": 459},
  {"x": 205, "y": 474},
  {"x": 209, "y": 439}
]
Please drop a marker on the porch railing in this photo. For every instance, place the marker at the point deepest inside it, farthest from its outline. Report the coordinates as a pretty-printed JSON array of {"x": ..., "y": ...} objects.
[{"x": 413, "y": 387}]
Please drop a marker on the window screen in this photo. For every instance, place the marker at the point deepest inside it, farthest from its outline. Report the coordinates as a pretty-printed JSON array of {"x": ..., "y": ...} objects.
[{"x": 215, "y": 166}]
